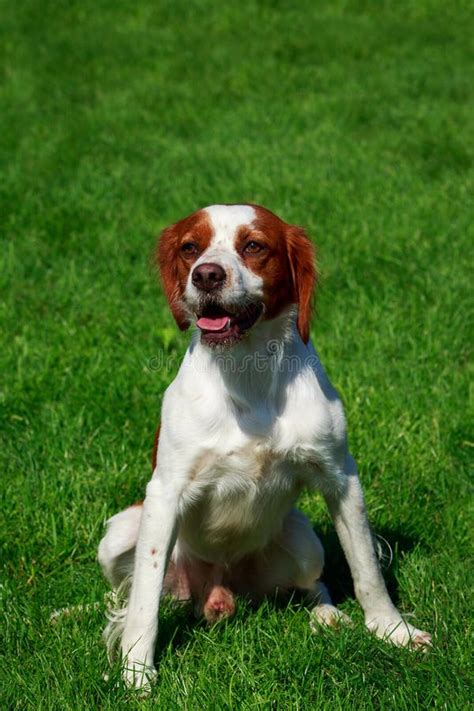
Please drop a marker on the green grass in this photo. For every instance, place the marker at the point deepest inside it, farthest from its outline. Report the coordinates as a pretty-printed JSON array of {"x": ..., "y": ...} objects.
[{"x": 117, "y": 118}]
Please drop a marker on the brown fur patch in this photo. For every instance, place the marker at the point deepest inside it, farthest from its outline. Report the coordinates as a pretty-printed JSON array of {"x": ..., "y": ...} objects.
[
  {"x": 155, "y": 448},
  {"x": 174, "y": 264},
  {"x": 286, "y": 264}
]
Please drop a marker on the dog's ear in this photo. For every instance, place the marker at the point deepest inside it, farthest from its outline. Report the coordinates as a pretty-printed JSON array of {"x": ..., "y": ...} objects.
[
  {"x": 302, "y": 260},
  {"x": 167, "y": 262}
]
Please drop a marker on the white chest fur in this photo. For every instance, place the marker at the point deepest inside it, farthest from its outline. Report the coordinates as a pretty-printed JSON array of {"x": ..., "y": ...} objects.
[
  {"x": 250, "y": 448},
  {"x": 238, "y": 499}
]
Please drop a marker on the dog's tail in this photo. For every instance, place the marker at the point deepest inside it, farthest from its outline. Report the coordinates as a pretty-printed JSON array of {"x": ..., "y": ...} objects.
[{"x": 116, "y": 615}]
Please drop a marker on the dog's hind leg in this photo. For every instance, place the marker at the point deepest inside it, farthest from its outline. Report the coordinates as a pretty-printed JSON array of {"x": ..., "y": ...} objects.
[
  {"x": 294, "y": 560},
  {"x": 323, "y": 612},
  {"x": 117, "y": 548},
  {"x": 116, "y": 554}
]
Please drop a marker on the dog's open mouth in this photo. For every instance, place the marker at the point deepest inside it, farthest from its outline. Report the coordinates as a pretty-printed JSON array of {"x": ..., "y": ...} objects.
[{"x": 220, "y": 326}]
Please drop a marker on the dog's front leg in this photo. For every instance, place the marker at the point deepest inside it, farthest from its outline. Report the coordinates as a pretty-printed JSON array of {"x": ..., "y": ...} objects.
[
  {"x": 156, "y": 538},
  {"x": 347, "y": 508}
]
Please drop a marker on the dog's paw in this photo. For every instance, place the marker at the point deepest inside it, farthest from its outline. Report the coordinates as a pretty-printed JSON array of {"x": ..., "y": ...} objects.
[
  {"x": 327, "y": 616},
  {"x": 397, "y": 631},
  {"x": 219, "y": 605},
  {"x": 137, "y": 675},
  {"x": 138, "y": 670}
]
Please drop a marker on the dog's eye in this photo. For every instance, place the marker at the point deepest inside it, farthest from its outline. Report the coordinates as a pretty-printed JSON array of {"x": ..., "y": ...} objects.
[
  {"x": 189, "y": 248},
  {"x": 253, "y": 247}
]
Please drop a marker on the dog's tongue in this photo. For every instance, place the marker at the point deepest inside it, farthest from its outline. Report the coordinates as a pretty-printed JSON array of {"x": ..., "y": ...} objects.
[{"x": 206, "y": 323}]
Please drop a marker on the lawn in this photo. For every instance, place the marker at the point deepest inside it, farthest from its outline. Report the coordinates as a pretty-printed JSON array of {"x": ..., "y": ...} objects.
[{"x": 353, "y": 119}]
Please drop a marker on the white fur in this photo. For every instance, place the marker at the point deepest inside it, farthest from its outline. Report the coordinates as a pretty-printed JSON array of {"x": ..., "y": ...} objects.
[
  {"x": 242, "y": 434},
  {"x": 242, "y": 284}
]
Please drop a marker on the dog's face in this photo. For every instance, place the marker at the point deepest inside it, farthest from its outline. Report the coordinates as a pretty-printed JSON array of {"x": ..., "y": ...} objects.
[{"x": 228, "y": 267}]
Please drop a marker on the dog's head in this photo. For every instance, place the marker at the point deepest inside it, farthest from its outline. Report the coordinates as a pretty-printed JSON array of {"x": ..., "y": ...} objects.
[{"x": 227, "y": 267}]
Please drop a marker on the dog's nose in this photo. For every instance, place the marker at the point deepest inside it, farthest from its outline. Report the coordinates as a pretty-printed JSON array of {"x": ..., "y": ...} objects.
[{"x": 208, "y": 276}]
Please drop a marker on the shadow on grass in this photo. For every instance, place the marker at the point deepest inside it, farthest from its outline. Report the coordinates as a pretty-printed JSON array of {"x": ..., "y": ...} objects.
[{"x": 337, "y": 576}]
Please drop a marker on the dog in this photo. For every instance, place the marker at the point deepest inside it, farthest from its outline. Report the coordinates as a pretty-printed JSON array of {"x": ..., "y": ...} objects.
[{"x": 250, "y": 420}]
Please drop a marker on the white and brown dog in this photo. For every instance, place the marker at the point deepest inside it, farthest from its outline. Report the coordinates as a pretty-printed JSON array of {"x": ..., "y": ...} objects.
[{"x": 250, "y": 420}]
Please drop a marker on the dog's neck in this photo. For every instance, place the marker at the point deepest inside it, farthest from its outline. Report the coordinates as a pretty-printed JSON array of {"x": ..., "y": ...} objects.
[{"x": 257, "y": 369}]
